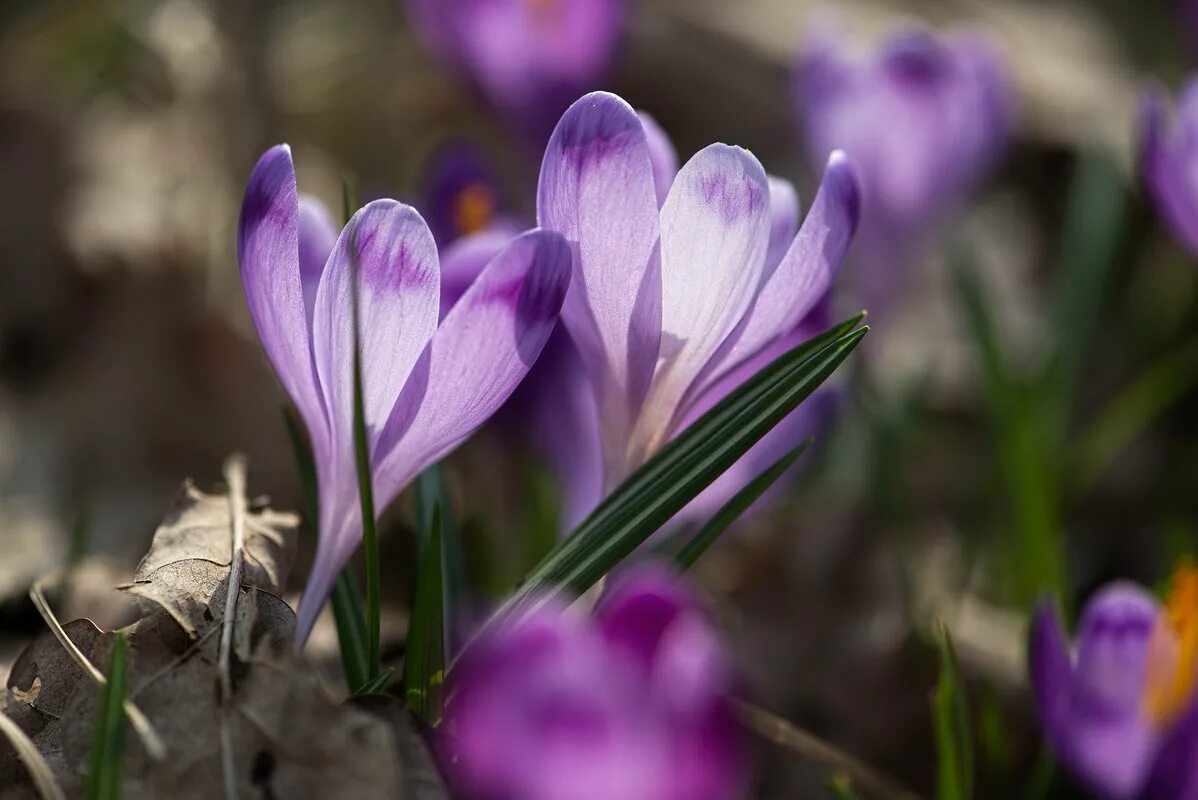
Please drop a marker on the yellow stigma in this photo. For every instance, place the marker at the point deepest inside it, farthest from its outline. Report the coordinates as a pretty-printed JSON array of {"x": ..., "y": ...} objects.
[
  {"x": 1173, "y": 649},
  {"x": 473, "y": 208}
]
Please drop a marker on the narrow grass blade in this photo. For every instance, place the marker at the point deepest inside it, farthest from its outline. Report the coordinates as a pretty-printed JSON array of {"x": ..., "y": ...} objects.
[
  {"x": 348, "y": 615},
  {"x": 954, "y": 744},
  {"x": 424, "y": 659},
  {"x": 687, "y": 465},
  {"x": 377, "y": 684},
  {"x": 732, "y": 510},
  {"x": 370, "y": 542},
  {"x": 108, "y": 742},
  {"x": 432, "y": 494}
]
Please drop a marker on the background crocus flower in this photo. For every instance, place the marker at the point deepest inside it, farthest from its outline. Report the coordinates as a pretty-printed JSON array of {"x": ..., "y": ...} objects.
[
  {"x": 1119, "y": 706},
  {"x": 667, "y": 302},
  {"x": 529, "y": 58},
  {"x": 461, "y": 196},
  {"x": 426, "y": 386},
  {"x": 922, "y": 120},
  {"x": 1169, "y": 159},
  {"x": 632, "y": 702}
]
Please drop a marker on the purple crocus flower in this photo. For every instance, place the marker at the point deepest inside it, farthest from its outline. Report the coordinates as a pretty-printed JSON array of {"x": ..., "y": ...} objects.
[
  {"x": 673, "y": 295},
  {"x": 1169, "y": 159},
  {"x": 426, "y": 386},
  {"x": 528, "y": 58},
  {"x": 1119, "y": 706},
  {"x": 922, "y": 120},
  {"x": 633, "y": 702}
]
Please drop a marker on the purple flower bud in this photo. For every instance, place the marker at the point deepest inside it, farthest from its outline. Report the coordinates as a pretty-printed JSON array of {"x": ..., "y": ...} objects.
[
  {"x": 1169, "y": 159},
  {"x": 528, "y": 58},
  {"x": 923, "y": 120},
  {"x": 1119, "y": 705},
  {"x": 633, "y": 702}
]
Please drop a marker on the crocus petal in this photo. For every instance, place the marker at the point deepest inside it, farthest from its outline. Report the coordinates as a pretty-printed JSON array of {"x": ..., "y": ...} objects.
[
  {"x": 804, "y": 273},
  {"x": 662, "y": 155},
  {"x": 784, "y": 223},
  {"x": 637, "y": 608},
  {"x": 596, "y": 188},
  {"x": 1169, "y": 160},
  {"x": 268, "y": 248},
  {"x": 1093, "y": 708},
  {"x": 714, "y": 233},
  {"x": 317, "y": 235},
  {"x": 393, "y": 253},
  {"x": 479, "y": 354},
  {"x": 463, "y": 261}
]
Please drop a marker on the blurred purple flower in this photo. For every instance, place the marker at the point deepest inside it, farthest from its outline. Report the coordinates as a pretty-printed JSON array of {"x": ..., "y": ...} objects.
[
  {"x": 634, "y": 702},
  {"x": 426, "y": 386},
  {"x": 462, "y": 195},
  {"x": 1169, "y": 158},
  {"x": 681, "y": 281},
  {"x": 1119, "y": 706},
  {"x": 528, "y": 58},
  {"x": 923, "y": 120}
]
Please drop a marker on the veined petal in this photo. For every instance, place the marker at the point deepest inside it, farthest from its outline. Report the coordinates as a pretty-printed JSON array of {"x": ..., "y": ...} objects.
[
  {"x": 714, "y": 234},
  {"x": 596, "y": 189},
  {"x": 464, "y": 260},
  {"x": 479, "y": 354},
  {"x": 317, "y": 235},
  {"x": 662, "y": 156},
  {"x": 804, "y": 273},
  {"x": 395, "y": 258},
  {"x": 268, "y": 244}
]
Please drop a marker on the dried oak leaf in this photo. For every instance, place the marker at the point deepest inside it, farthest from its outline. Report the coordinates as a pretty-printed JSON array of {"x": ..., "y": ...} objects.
[{"x": 186, "y": 569}]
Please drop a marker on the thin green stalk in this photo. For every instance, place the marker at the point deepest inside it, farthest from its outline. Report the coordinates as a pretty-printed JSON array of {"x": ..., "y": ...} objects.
[
  {"x": 108, "y": 742},
  {"x": 370, "y": 543}
]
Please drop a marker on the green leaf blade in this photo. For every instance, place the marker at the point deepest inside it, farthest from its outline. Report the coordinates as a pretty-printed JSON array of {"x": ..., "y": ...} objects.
[
  {"x": 108, "y": 742},
  {"x": 424, "y": 660}
]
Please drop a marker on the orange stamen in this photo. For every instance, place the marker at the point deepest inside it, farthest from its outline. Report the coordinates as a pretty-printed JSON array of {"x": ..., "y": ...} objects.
[
  {"x": 473, "y": 208},
  {"x": 1173, "y": 649}
]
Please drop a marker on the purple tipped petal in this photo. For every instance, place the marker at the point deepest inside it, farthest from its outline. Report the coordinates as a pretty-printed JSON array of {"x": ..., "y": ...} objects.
[
  {"x": 805, "y": 272},
  {"x": 714, "y": 234},
  {"x": 639, "y": 606},
  {"x": 317, "y": 235},
  {"x": 393, "y": 253},
  {"x": 1092, "y": 703},
  {"x": 477, "y": 357},
  {"x": 596, "y": 189},
  {"x": 463, "y": 261},
  {"x": 268, "y": 248},
  {"x": 662, "y": 155}
]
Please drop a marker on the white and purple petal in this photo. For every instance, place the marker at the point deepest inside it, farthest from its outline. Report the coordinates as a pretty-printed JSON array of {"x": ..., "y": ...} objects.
[{"x": 482, "y": 350}]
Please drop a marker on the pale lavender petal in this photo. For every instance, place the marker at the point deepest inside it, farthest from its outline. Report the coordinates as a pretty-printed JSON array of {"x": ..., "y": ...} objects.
[
  {"x": 714, "y": 234},
  {"x": 268, "y": 248},
  {"x": 478, "y": 356},
  {"x": 784, "y": 224},
  {"x": 662, "y": 155},
  {"x": 395, "y": 258},
  {"x": 317, "y": 235},
  {"x": 804, "y": 273},
  {"x": 596, "y": 189}
]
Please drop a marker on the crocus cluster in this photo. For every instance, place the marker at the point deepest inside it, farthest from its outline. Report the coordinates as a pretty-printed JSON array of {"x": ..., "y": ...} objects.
[
  {"x": 632, "y": 702},
  {"x": 683, "y": 278},
  {"x": 923, "y": 119},
  {"x": 1119, "y": 705},
  {"x": 427, "y": 383},
  {"x": 1169, "y": 159},
  {"x": 528, "y": 58}
]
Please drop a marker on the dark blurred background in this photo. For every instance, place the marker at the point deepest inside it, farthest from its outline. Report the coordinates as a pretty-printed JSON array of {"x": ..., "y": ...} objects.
[{"x": 128, "y": 362}]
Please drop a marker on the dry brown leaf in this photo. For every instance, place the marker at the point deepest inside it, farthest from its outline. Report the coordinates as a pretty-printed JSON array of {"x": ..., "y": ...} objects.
[{"x": 187, "y": 567}]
